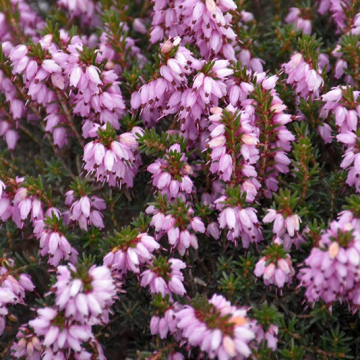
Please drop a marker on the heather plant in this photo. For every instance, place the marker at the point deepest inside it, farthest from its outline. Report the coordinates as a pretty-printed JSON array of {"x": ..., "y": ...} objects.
[{"x": 179, "y": 179}]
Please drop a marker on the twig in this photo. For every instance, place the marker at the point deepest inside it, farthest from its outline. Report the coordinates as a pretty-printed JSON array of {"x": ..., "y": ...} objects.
[
  {"x": 30, "y": 135},
  {"x": 12, "y": 166},
  {"x": 69, "y": 119}
]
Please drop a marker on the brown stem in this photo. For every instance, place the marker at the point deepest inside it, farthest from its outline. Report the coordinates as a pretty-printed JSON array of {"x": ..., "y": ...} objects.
[
  {"x": 145, "y": 8},
  {"x": 12, "y": 166},
  {"x": 258, "y": 9},
  {"x": 30, "y": 135},
  {"x": 112, "y": 209},
  {"x": 69, "y": 118},
  {"x": 356, "y": 69},
  {"x": 203, "y": 266}
]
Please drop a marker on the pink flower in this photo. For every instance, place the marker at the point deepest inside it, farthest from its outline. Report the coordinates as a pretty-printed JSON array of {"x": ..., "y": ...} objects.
[
  {"x": 241, "y": 222},
  {"x": 165, "y": 324},
  {"x": 85, "y": 10},
  {"x": 12, "y": 290},
  {"x": 28, "y": 205},
  {"x": 117, "y": 163},
  {"x": 199, "y": 328},
  {"x": 336, "y": 10},
  {"x": 347, "y": 119},
  {"x": 213, "y": 230},
  {"x": 54, "y": 243},
  {"x": 208, "y": 20},
  {"x": 58, "y": 334},
  {"x": 294, "y": 16},
  {"x": 85, "y": 211},
  {"x": 85, "y": 296},
  {"x": 180, "y": 234},
  {"x": 220, "y": 141},
  {"x": 269, "y": 336},
  {"x": 28, "y": 345},
  {"x": 330, "y": 272},
  {"x": 164, "y": 277},
  {"x": 170, "y": 174},
  {"x": 276, "y": 273},
  {"x": 303, "y": 77},
  {"x": 283, "y": 225},
  {"x": 138, "y": 26},
  {"x": 131, "y": 252}
]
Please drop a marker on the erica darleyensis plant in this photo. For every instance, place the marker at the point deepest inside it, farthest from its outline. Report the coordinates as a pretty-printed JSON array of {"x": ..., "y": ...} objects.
[{"x": 179, "y": 179}]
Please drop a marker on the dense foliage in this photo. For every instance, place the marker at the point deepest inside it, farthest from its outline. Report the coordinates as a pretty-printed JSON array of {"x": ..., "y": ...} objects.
[{"x": 179, "y": 179}]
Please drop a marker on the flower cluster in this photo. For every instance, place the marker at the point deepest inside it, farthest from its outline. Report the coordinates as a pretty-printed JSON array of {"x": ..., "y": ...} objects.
[
  {"x": 12, "y": 289},
  {"x": 163, "y": 95},
  {"x": 208, "y": 21},
  {"x": 286, "y": 223},
  {"x": 54, "y": 72},
  {"x": 53, "y": 242},
  {"x": 300, "y": 20},
  {"x": 241, "y": 221},
  {"x": 217, "y": 328},
  {"x": 112, "y": 158},
  {"x": 85, "y": 211},
  {"x": 336, "y": 8},
  {"x": 242, "y": 140},
  {"x": 30, "y": 20},
  {"x": 342, "y": 102},
  {"x": 21, "y": 197},
  {"x": 83, "y": 297},
  {"x": 177, "y": 220},
  {"x": 306, "y": 79},
  {"x": 275, "y": 267},
  {"x": 269, "y": 127},
  {"x": 130, "y": 250},
  {"x": 171, "y": 174},
  {"x": 58, "y": 335},
  {"x": 83, "y": 9},
  {"x": 164, "y": 277},
  {"x": 28, "y": 345},
  {"x": 164, "y": 321},
  {"x": 331, "y": 271}
]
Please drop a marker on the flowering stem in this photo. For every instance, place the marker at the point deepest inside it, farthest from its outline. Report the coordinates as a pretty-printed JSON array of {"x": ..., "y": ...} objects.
[
  {"x": 112, "y": 212},
  {"x": 264, "y": 146},
  {"x": 12, "y": 166},
  {"x": 305, "y": 188},
  {"x": 356, "y": 69},
  {"x": 22, "y": 268},
  {"x": 30, "y": 135},
  {"x": 69, "y": 119},
  {"x": 145, "y": 8},
  {"x": 71, "y": 174},
  {"x": 190, "y": 280},
  {"x": 6, "y": 350},
  {"x": 203, "y": 266},
  {"x": 332, "y": 202}
]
